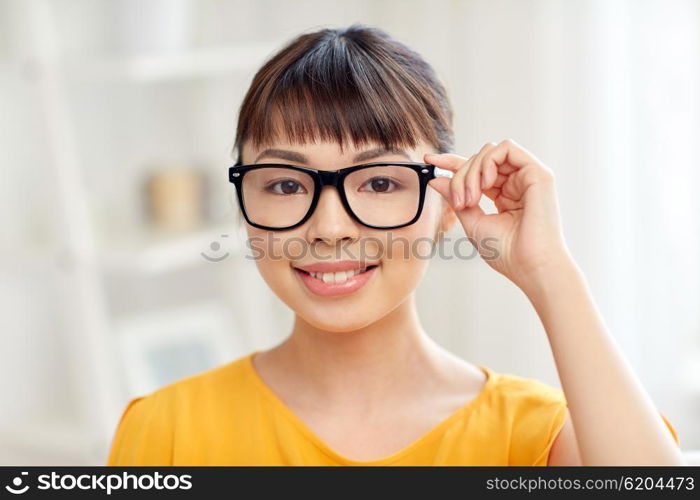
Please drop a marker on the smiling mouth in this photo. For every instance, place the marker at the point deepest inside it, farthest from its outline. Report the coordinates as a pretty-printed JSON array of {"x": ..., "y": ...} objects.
[{"x": 338, "y": 276}]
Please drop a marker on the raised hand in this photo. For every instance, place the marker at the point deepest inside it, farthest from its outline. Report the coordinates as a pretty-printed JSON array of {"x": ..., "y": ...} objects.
[{"x": 526, "y": 231}]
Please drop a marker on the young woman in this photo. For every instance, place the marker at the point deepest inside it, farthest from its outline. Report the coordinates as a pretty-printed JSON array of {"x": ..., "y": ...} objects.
[{"x": 338, "y": 139}]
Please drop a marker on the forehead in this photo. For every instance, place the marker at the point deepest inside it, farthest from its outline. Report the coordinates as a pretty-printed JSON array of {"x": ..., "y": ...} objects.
[{"x": 331, "y": 152}]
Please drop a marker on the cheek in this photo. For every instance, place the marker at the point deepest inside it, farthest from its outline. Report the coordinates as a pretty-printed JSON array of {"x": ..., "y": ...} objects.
[
  {"x": 405, "y": 254},
  {"x": 414, "y": 246},
  {"x": 408, "y": 253},
  {"x": 415, "y": 242},
  {"x": 272, "y": 253}
]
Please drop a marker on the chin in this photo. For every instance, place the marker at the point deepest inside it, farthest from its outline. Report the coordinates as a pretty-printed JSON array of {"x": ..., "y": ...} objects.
[
  {"x": 341, "y": 318},
  {"x": 348, "y": 327}
]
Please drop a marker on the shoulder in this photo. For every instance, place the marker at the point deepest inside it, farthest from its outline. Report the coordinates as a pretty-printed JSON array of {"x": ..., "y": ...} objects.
[
  {"x": 203, "y": 385},
  {"x": 524, "y": 393},
  {"x": 143, "y": 434},
  {"x": 146, "y": 428},
  {"x": 532, "y": 411}
]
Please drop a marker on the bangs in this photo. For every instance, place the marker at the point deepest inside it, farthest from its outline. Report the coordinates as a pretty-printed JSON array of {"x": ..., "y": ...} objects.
[{"x": 347, "y": 86}]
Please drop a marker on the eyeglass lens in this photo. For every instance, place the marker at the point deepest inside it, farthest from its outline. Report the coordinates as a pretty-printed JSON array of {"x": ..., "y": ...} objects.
[{"x": 386, "y": 195}]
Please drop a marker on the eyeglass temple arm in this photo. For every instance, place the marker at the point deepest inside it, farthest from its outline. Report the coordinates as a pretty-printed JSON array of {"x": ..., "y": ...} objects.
[{"x": 441, "y": 172}]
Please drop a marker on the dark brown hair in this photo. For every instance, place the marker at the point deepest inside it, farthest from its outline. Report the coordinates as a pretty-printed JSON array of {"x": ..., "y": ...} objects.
[{"x": 355, "y": 83}]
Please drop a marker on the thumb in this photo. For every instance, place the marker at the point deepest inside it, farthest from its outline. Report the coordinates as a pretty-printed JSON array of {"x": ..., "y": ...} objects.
[
  {"x": 468, "y": 217},
  {"x": 442, "y": 186}
]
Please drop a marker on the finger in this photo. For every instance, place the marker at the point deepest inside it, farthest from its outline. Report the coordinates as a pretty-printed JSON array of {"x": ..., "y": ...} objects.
[
  {"x": 493, "y": 186},
  {"x": 442, "y": 186},
  {"x": 505, "y": 169},
  {"x": 509, "y": 161},
  {"x": 517, "y": 184},
  {"x": 458, "y": 183},
  {"x": 500, "y": 180},
  {"x": 509, "y": 156},
  {"x": 503, "y": 203},
  {"x": 448, "y": 161},
  {"x": 505, "y": 198},
  {"x": 489, "y": 175},
  {"x": 492, "y": 193},
  {"x": 468, "y": 217},
  {"x": 473, "y": 180},
  {"x": 495, "y": 176},
  {"x": 452, "y": 162}
]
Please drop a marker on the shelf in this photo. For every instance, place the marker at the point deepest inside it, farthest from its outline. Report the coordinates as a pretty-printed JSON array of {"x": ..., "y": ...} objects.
[
  {"x": 196, "y": 63},
  {"x": 166, "y": 253}
]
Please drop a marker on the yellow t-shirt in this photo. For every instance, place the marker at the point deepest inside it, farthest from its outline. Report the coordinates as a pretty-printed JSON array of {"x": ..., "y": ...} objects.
[{"x": 227, "y": 415}]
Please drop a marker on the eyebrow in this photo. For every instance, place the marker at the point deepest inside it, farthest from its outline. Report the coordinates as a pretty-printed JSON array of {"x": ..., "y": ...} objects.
[{"x": 300, "y": 158}]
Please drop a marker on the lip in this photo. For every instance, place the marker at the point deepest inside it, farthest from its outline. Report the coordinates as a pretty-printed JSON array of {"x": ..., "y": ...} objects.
[
  {"x": 332, "y": 267},
  {"x": 319, "y": 287}
]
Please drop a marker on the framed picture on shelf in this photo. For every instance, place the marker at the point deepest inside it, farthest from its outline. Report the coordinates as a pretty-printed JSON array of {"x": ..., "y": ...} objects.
[{"x": 160, "y": 347}]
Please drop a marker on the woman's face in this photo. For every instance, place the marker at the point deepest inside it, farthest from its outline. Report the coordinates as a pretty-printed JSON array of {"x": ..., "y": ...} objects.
[{"x": 346, "y": 302}]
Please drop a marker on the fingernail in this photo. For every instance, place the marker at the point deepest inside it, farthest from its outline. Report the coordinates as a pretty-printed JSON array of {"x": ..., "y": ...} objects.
[
  {"x": 456, "y": 200},
  {"x": 469, "y": 196}
]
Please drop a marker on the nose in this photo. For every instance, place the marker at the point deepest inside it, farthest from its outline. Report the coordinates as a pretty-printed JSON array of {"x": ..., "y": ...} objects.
[{"x": 330, "y": 222}]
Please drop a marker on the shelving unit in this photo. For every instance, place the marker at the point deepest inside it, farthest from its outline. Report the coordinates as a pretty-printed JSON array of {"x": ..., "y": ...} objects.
[
  {"x": 89, "y": 259},
  {"x": 158, "y": 255}
]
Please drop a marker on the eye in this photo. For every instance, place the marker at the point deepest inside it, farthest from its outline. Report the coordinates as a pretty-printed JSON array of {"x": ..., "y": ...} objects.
[
  {"x": 286, "y": 187},
  {"x": 382, "y": 185}
]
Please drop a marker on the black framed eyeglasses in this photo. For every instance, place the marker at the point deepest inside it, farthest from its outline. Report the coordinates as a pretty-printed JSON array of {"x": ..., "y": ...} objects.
[{"x": 379, "y": 195}]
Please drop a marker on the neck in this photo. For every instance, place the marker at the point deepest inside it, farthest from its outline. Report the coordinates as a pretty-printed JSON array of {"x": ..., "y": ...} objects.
[{"x": 392, "y": 357}]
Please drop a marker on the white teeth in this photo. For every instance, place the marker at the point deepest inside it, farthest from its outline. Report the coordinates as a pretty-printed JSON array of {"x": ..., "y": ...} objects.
[{"x": 337, "y": 277}]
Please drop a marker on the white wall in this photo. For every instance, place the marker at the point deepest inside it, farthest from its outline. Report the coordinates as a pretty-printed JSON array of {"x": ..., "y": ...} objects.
[{"x": 605, "y": 93}]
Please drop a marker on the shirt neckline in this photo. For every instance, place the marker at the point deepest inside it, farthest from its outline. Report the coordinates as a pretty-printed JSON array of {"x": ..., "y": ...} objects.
[{"x": 427, "y": 437}]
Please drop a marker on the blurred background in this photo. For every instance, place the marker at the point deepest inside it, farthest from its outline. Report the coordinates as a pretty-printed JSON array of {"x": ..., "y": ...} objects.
[{"x": 121, "y": 265}]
